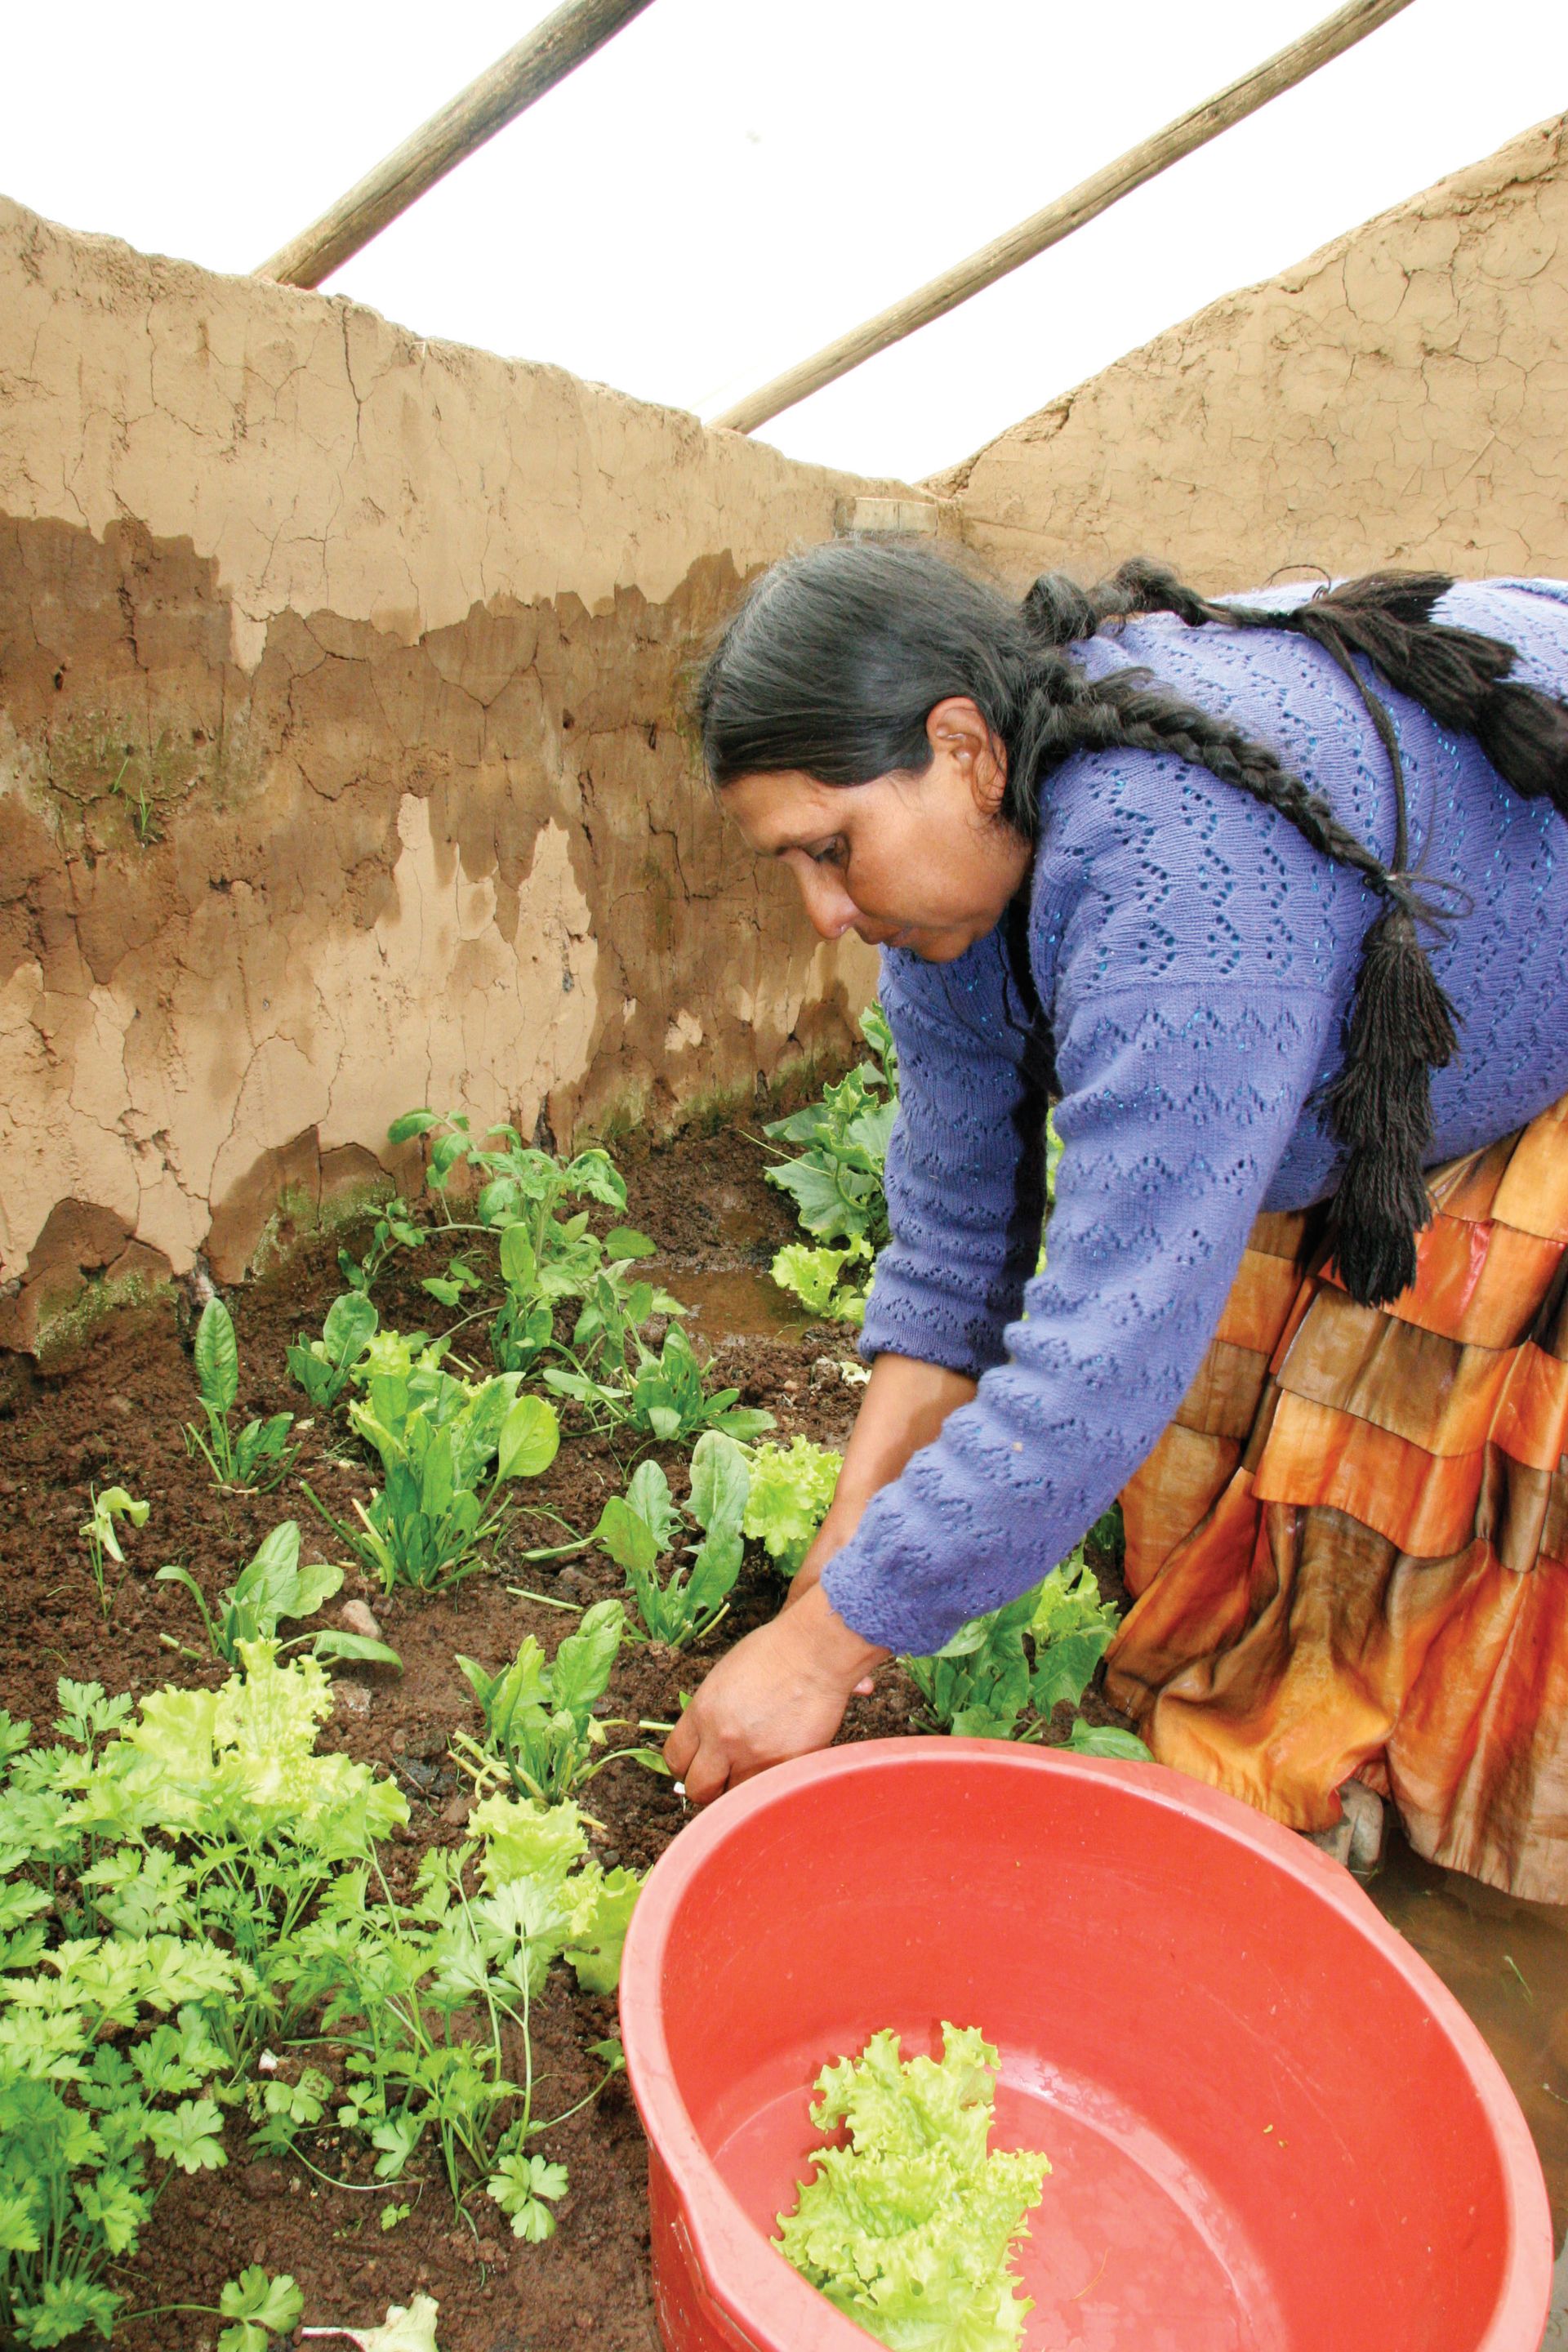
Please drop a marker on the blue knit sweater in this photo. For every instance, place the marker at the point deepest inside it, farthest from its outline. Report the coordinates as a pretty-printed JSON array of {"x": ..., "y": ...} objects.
[{"x": 1195, "y": 962}]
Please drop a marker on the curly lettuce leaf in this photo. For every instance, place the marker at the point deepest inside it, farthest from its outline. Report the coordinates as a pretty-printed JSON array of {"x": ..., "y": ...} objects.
[
  {"x": 790, "y": 1491},
  {"x": 910, "y": 2228}
]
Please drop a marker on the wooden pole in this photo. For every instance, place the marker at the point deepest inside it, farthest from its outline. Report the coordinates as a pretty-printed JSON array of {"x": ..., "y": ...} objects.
[
  {"x": 1084, "y": 202},
  {"x": 539, "y": 61}
]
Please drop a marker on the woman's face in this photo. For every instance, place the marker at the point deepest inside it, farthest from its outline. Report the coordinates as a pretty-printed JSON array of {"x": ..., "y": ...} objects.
[{"x": 923, "y": 862}]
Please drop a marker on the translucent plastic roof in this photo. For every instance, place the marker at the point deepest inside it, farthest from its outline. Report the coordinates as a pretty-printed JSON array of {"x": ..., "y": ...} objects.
[{"x": 730, "y": 183}]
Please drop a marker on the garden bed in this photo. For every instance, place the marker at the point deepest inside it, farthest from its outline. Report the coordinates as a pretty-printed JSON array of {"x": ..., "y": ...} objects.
[{"x": 112, "y": 1413}]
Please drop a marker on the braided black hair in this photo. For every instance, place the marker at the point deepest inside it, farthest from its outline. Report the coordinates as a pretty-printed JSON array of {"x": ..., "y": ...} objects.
[{"x": 837, "y": 658}]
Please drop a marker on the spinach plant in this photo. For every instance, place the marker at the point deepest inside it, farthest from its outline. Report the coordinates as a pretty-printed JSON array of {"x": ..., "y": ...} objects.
[
  {"x": 275, "y": 1586},
  {"x": 1000, "y": 1674},
  {"x": 548, "y": 1258},
  {"x": 99, "y": 1534},
  {"x": 636, "y": 1529},
  {"x": 448, "y": 1447},
  {"x": 664, "y": 1397},
  {"x": 541, "y": 1731},
  {"x": 324, "y": 1367},
  {"x": 259, "y": 1454},
  {"x": 788, "y": 1499}
]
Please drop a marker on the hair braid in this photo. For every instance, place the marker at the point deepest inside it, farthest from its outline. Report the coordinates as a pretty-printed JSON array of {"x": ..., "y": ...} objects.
[{"x": 1401, "y": 1024}]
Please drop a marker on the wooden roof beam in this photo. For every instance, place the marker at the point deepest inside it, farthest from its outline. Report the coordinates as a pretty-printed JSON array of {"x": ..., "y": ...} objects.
[
  {"x": 1043, "y": 229},
  {"x": 541, "y": 59}
]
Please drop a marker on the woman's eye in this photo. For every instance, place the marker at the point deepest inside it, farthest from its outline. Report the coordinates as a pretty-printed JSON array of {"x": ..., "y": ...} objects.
[{"x": 836, "y": 854}]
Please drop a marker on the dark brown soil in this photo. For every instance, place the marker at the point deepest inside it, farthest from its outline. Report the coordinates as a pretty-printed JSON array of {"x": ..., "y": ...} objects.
[{"x": 113, "y": 1413}]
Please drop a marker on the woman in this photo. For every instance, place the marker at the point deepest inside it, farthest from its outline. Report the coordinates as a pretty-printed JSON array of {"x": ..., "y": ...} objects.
[{"x": 1269, "y": 897}]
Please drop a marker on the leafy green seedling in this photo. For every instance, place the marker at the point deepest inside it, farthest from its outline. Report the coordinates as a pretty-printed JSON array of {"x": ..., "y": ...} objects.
[
  {"x": 908, "y": 2226},
  {"x": 98, "y": 1532},
  {"x": 257, "y": 2308},
  {"x": 1000, "y": 1675},
  {"x": 664, "y": 1396},
  {"x": 404, "y": 2330},
  {"x": 638, "y": 1528},
  {"x": 539, "y": 1722},
  {"x": 393, "y": 1229},
  {"x": 260, "y": 1454},
  {"x": 817, "y": 1279},
  {"x": 835, "y": 1183},
  {"x": 448, "y": 1447},
  {"x": 324, "y": 1367},
  {"x": 273, "y": 1587},
  {"x": 789, "y": 1490}
]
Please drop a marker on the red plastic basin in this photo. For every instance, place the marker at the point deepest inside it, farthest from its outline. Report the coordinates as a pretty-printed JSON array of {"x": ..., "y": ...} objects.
[{"x": 1271, "y": 2128}]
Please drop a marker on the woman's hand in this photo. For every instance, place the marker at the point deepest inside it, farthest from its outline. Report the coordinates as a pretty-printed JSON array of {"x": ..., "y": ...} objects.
[{"x": 780, "y": 1692}]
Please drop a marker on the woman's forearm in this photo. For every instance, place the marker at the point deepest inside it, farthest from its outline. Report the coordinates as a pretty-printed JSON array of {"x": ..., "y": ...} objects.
[{"x": 904, "y": 1406}]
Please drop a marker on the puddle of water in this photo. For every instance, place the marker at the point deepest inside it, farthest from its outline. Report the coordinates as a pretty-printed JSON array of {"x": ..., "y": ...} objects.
[
  {"x": 1506, "y": 1962},
  {"x": 741, "y": 1302}
]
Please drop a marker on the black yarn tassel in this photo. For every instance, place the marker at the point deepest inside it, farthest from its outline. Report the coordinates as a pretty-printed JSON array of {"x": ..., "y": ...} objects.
[{"x": 1401, "y": 1030}]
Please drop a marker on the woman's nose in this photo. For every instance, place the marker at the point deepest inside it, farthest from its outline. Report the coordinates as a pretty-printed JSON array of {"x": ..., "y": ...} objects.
[{"x": 829, "y": 908}]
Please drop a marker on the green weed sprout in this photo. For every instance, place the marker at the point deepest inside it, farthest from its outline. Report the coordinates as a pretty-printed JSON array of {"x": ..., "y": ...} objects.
[
  {"x": 273, "y": 1587},
  {"x": 638, "y": 1528},
  {"x": 98, "y": 1533},
  {"x": 260, "y": 1456},
  {"x": 786, "y": 1501},
  {"x": 541, "y": 1731}
]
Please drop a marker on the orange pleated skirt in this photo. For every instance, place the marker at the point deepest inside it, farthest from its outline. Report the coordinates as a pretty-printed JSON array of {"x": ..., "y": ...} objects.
[{"x": 1349, "y": 1552}]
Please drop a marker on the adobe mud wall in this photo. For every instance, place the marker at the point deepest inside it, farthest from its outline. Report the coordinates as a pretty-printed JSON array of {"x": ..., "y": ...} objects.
[
  {"x": 341, "y": 767},
  {"x": 1401, "y": 397}
]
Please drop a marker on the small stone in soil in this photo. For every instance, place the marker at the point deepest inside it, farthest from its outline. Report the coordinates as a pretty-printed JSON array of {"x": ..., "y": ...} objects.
[
  {"x": 355, "y": 1618},
  {"x": 455, "y": 1811},
  {"x": 351, "y": 1698},
  {"x": 572, "y": 1585}
]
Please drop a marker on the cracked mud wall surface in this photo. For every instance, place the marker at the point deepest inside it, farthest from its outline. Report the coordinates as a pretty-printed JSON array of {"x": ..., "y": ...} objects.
[
  {"x": 342, "y": 765},
  {"x": 1401, "y": 397}
]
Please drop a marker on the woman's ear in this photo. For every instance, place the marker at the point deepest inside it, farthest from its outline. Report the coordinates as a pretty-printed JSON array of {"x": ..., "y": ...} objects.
[{"x": 958, "y": 727}]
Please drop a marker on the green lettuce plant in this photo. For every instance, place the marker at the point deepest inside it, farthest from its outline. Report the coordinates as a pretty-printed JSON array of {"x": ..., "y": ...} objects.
[
  {"x": 273, "y": 1587},
  {"x": 787, "y": 1498},
  {"x": 909, "y": 2227},
  {"x": 254, "y": 1457},
  {"x": 636, "y": 1529},
  {"x": 218, "y": 1822}
]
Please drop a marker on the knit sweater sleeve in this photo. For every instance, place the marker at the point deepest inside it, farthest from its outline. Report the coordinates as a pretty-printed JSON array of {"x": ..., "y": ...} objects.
[
  {"x": 1181, "y": 1090},
  {"x": 965, "y": 1165}
]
